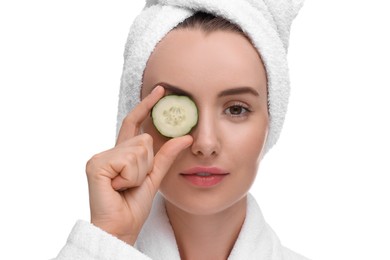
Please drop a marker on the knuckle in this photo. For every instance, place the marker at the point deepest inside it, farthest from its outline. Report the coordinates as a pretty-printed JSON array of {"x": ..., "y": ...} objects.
[
  {"x": 147, "y": 139},
  {"x": 143, "y": 151},
  {"x": 92, "y": 163},
  {"x": 132, "y": 176},
  {"x": 131, "y": 159}
]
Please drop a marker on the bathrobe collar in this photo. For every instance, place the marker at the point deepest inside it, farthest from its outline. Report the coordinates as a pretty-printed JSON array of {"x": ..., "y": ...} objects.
[{"x": 255, "y": 241}]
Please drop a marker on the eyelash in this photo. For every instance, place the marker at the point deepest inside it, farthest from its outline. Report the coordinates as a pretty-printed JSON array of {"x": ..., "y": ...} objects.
[{"x": 244, "y": 110}]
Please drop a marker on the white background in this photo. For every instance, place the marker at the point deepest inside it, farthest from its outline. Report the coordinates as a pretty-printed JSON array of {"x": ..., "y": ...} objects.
[{"x": 324, "y": 188}]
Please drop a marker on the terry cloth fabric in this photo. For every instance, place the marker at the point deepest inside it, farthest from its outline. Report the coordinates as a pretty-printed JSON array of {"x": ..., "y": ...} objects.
[
  {"x": 256, "y": 239},
  {"x": 266, "y": 22},
  {"x": 157, "y": 241}
]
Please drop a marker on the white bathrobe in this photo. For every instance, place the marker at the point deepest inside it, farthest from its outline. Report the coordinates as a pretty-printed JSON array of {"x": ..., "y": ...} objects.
[{"x": 157, "y": 241}]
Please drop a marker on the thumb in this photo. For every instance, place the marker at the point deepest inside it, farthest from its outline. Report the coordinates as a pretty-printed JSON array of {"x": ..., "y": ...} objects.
[{"x": 166, "y": 156}]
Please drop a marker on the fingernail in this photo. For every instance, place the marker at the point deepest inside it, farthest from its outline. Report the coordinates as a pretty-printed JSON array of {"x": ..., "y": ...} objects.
[
  {"x": 155, "y": 88},
  {"x": 189, "y": 141}
]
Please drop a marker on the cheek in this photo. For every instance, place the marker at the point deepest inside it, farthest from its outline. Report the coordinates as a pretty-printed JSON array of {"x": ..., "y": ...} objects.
[
  {"x": 250, "y": 135},
  {"x": 247, "y": 142},
  {"x": 248, "y": 148}
]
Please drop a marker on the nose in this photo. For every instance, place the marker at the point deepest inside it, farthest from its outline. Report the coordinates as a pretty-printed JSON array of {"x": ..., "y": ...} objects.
[{"x": 207, "y": 142}]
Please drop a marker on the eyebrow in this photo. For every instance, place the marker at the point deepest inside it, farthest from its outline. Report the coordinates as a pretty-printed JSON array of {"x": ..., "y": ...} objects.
[
  {"x": 174, "y": 89},
  {"x": 238, "y": 91},
  {"x": 226, "y": 92}
]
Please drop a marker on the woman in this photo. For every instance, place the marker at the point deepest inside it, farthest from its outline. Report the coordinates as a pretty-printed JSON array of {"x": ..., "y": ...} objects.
[{"x": 187, "y": 197}]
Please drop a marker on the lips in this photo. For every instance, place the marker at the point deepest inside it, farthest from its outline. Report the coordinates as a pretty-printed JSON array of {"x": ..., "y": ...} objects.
[{"x": 204, "y": 176}]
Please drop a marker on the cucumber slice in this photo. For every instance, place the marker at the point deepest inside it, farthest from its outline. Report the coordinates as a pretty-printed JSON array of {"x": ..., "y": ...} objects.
[{"x": 174, "y": 115}]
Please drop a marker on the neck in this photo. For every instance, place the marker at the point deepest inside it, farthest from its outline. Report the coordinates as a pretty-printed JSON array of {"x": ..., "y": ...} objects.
[{"x": 207, "y": 236}]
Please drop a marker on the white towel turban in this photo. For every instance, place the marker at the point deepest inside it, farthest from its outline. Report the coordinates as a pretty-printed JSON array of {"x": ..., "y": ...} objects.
[{"x": 266, "y": 22}]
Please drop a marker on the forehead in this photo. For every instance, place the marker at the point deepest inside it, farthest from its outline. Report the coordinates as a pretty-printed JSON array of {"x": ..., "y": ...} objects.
[{"x": 189, "y": 57}]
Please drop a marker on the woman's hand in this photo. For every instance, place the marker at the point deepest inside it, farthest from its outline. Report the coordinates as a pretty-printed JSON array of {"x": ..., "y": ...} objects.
[{"x": 124, "y": 180}]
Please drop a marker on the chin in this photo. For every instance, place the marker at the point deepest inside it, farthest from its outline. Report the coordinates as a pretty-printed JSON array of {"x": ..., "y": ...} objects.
[{"x": 204, "y": 203}]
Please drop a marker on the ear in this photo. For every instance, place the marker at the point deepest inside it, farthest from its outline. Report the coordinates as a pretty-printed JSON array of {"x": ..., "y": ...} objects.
[{"x": 284, "y": 12}]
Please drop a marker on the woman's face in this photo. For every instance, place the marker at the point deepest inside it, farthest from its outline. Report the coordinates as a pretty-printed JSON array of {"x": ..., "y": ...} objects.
[{"x": 224, "y": 75}]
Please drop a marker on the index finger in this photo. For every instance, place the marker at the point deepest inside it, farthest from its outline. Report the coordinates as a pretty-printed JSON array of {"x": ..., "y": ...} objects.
[{"x": 132, "y": 122}]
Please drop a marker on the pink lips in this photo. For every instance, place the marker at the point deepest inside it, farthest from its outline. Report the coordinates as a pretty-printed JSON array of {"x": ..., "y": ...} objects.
[{"x": 204, "y": 176}]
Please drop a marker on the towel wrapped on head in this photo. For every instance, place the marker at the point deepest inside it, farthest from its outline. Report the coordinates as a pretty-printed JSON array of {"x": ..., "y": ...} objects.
[{"x": 266, "y": 23}]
